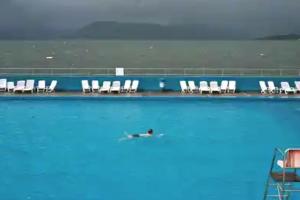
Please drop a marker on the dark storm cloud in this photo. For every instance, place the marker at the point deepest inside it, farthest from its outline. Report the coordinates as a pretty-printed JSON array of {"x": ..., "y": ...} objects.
[
  {"x": 257, "y": 16},
  {"x": 17, "y": 15}
]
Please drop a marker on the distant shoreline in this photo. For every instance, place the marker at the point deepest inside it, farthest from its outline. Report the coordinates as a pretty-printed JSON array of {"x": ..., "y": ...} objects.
[
  {"x": 120, "y": 39},
  {"x": 281, "y": 37}
]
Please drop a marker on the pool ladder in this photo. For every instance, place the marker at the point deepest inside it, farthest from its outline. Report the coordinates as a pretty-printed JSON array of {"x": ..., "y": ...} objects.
[{"x": 281, "y": 183}]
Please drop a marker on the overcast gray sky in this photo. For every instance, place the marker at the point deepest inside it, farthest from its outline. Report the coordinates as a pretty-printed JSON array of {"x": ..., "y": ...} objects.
[{"x": 261, "y": 17}]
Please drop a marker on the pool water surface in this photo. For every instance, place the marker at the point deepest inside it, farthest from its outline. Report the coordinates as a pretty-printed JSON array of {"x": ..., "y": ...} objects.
[{"x": 210, "y": 148}]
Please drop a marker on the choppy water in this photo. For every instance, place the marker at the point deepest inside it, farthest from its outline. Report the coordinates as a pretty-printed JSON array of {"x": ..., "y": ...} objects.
[{"x": 112, "y": 53}]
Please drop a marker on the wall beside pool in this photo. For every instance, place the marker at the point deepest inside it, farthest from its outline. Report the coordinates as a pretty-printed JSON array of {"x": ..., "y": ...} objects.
[{"x": 151, "y": 83}]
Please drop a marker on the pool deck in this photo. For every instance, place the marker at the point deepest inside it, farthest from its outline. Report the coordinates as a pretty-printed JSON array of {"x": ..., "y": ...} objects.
[{"x": 146, "y": 94}]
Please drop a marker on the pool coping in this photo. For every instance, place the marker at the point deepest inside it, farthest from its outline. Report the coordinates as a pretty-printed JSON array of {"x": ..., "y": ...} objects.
[{"x": 145, "y": 95}]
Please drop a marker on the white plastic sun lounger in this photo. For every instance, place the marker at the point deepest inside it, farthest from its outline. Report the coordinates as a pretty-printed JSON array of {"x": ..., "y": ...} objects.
[
  {"x": 41, "y": 86},
  {"x": 135, "y": 85},
  {"x": 127, "y": 86},
  {"x": 297, "y": 86},
  {"x": 52, "y": 86},
  {"x": 192, "y": 87},
  {"x": 105, "y": 87},
  {"x": 214, "y": 87},
  {"x": 116, "y": 87},
  {"x": 263, "y": 87},
  {"x": 204, "y": 87},
  {"x": 85, "y": 86},
  {"x": 271, "y": 87},
  {"x": 232, "y": 86},
  {"x": 183, "y": 86},
  {"x": 224, "y": 86},
  {"x": 3, "y": 85},
  {"x": 29, "y": 86},
  {"x": 20, "y": 86},
  {"x": 95, "y": 86},
  {"x": 10, "y": 86},
  {"x": 285, "y": 87}
]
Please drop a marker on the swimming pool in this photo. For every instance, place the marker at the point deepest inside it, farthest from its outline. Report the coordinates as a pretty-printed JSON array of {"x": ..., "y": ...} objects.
[{"x": 68, "y": 148}]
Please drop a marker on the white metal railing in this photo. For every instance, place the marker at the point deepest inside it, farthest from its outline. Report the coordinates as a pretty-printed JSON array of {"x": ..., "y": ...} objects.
[{"x": 154, "y": 71}]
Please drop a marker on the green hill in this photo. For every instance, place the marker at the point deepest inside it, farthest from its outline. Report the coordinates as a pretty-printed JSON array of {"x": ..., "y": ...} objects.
[
  {"x": 282, "y": 37},
  {"x": 116, "y": 30}
]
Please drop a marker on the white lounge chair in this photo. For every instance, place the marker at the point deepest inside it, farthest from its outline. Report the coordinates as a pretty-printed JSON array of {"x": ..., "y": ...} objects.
[
  {"x": 85, "y": 86},
  {"x": 135, "y": 85},
  {"x": 183, "y": 86},
  {"x": 203, "y": 87},
  {"x": 3, "y": 85},
  {"x": 29, "y": 86},
  {"x": 285, "y": 87},
  {"x": 10, "y": 86},
  {"x": 214, "y": 87},
  {"x": 271, "y": 87},
  {"x": 95, "y": 86},
  {"x": 116, "y": 87},
  {"x": 224, "y": 86},
  {"x": 41, "y": 86},
  {"x": 263, "y": 87},
  {"x": 52, "y": 86},
  {"x": 297, "y": 86},
  {"x": 127, "y": 86},
  {"x": 20, "y": 86},
  {"x": 192, "y": 87},
  {"x": 232, "y": 86},
  {"x": 105, "y": 87}
]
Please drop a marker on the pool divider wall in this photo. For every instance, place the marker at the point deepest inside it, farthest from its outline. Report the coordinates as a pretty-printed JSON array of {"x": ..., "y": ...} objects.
[{"x": 151, "y": 83}]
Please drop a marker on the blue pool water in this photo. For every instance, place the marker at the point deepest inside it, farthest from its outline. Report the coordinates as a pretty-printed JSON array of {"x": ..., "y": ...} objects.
[{"x": 212, "y": 148}]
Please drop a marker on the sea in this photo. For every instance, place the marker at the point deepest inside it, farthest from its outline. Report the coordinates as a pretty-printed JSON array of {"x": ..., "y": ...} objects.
[{"x": 150, "y": 54}]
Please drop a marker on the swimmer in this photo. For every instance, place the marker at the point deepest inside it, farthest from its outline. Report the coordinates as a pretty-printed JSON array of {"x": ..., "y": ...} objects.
[{"x": 149, "y": 133}]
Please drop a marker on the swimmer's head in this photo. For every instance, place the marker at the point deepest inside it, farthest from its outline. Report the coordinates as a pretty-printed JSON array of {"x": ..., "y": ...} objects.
[{"x": 150, "y": 131}]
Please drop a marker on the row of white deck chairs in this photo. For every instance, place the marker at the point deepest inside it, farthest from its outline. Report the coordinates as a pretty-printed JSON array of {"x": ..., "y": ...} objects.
[
  {"x": 26, "y": 86},
  {"x": 213, "y": 87},
  {"x": 284, "y": 87},
  {"x": 109, "y": 87}
]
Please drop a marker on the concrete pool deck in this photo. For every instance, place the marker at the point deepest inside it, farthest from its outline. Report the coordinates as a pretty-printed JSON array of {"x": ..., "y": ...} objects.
[{"x": 145, "y": 94}]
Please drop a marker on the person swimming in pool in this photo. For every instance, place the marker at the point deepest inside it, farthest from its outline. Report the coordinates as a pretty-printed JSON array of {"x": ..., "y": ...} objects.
[{"x": 149, "y": 133}]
